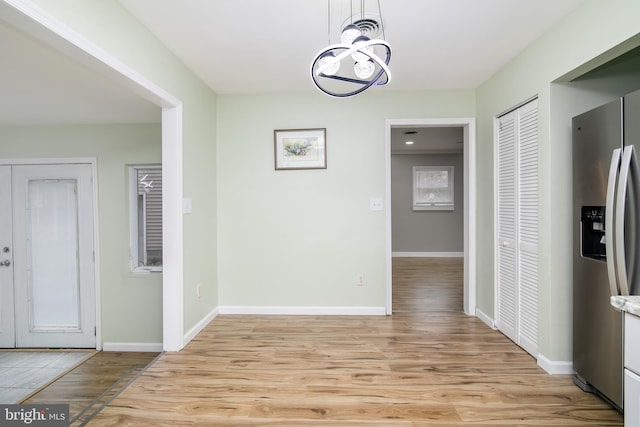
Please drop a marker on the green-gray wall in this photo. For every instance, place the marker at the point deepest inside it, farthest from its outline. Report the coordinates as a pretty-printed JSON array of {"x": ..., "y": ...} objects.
[
  {"x": 597, "y": 31},
  {"x": 300, "y": 238},
  {"x": 108, "y": 25}
]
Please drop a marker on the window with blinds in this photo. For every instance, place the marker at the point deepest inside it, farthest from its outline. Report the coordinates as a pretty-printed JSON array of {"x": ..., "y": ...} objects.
[
  {"x": 432, "y": 188},
  {"x": 146, "y": 217}
]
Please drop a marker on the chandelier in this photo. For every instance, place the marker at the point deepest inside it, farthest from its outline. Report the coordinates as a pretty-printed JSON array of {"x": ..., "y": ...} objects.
[{"x": 358, "y": 62}]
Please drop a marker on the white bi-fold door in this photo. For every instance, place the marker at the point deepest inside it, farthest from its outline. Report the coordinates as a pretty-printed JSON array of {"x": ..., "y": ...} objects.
[
  {"x": 47, "y": 273},
  {"x": 517, "y": 226}
]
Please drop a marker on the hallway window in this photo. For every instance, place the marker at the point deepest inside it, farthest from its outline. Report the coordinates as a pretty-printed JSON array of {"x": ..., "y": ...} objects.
[
  {"x": 432, "y": 188},
  {"x": 146, "y": 217}
]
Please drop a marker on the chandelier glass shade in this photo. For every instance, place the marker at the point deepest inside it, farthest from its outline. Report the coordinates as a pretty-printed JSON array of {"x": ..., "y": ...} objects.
[
  {"x": 355, "y": 64},
  {"x": 329, "y": 64},
  {"x": 350, "y": 33}
]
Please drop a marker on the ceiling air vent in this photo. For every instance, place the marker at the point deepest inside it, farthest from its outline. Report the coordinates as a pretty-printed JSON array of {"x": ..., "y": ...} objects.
[
  {"x": 369, "y": 24},
  {"x": 369, "y": 27}
]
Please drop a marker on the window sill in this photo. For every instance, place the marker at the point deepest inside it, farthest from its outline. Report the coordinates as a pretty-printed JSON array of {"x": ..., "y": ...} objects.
[
  {"x": 433, "y": 208},
  {"x": 146, "y": 270}
]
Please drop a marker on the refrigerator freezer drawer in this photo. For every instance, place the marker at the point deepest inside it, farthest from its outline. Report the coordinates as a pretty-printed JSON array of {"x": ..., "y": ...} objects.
[
  {"x": 631, "y": 399},
  {"x": 632, "y": 343}
]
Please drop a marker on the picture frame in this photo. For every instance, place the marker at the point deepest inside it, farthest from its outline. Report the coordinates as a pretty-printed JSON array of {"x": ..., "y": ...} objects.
[{"x": 296, "y": 149}]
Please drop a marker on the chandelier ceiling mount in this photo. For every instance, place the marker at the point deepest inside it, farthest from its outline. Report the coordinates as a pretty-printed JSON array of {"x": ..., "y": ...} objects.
[{"x": 360, "y": 59}]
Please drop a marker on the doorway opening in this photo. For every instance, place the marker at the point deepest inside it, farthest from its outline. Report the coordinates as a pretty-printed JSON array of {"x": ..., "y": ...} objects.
[
  {"x": 467, "y": 127},
  {"x": 36, "y": 23}
]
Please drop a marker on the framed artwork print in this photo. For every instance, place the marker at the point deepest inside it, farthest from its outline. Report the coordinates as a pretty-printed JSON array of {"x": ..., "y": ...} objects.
[{"x": 300, "y": 149}]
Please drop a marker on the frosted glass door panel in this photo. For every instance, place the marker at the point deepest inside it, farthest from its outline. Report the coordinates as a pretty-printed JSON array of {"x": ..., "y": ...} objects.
[{"x": 53, "y": 249}]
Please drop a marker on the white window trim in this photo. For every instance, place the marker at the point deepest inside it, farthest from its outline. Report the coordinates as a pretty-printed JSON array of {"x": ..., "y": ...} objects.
[{"x": 133, "y": 223}]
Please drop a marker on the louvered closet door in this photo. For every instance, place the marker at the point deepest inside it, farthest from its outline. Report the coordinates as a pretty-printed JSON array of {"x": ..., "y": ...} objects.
[
  {"x": 517, "y": 226},
  {"x": 507, "y": 274},
  {"x": 528, "y": 226}
]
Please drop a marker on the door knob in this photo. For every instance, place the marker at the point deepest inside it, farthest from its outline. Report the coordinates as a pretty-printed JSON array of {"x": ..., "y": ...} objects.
[
  {"x": 6, "y": 249},
  {"x": 6, "y": 263}
]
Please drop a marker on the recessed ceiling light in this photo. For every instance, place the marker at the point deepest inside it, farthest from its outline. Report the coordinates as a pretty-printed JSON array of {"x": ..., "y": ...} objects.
[{"x": 409, "y": 142}]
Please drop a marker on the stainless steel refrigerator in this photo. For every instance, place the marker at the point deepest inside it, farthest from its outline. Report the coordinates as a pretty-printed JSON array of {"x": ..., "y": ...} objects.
[{"x": 606, "y": 141}]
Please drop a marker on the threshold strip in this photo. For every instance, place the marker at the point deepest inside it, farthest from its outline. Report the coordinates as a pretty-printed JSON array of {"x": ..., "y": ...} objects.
[{"x": 102, "y": 401}]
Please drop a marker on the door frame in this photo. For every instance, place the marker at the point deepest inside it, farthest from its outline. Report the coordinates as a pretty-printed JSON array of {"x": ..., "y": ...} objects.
[
  {"x": 34, "y": 21},
  {"x": 92, "y": 161},
  {"x": 469, "y": 158},
  {"x": 7, "y": 284}
]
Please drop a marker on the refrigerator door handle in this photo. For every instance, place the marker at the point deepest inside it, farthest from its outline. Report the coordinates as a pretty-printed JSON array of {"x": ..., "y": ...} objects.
[
  {"x": 609, "y": 221},
  {"x": 621, "y": 197}
]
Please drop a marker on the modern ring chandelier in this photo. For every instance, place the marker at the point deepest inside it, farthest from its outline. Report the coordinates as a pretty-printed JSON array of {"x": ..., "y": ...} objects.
[{"x": 356, "y": 63}]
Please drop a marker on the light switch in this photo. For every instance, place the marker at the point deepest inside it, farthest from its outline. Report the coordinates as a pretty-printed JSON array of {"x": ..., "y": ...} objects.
[
  {"x": 375, "y": 204},
  {"x": 187, "y": 207}
]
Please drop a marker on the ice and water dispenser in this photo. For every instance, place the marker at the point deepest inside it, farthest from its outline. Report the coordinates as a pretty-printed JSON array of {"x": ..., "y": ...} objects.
[{"x": 593, "y": 232}]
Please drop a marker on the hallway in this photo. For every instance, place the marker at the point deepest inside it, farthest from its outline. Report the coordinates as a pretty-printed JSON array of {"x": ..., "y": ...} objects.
[{"x": 427, "y": 285}]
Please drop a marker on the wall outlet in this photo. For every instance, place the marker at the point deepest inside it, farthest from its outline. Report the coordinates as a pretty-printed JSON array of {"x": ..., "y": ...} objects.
[
  {"x": 375, "y": 204},
  {"x": 360, "y": 279},
  {"x": 199, "y": 290}
]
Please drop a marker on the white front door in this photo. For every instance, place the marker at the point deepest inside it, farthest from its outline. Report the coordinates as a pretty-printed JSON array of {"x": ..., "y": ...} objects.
[{"x": 52, "y": 257}]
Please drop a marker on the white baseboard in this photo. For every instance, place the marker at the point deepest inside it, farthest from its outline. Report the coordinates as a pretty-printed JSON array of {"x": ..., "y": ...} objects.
[
  {"x": 303, "y": 311},
  {"x": 428, "y": 254},
  {"x": 158, "y": 347},
  {"x": 485, "y": 318},
  {"x": 151, "y": 347},
  {"x": 555, "y": 367},
  {"x": 191, "y": 334}
]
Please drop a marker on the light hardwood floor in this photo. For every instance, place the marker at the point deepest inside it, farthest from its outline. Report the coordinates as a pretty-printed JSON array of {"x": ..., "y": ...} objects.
[
  {"x": 427, "y": 284},
  {"x": 427, "y": 365}
]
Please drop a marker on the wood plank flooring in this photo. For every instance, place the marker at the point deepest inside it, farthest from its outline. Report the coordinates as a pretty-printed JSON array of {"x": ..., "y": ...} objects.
[
  {"x": 427, "y": 365},
  {"x": 427, "y": 284}
]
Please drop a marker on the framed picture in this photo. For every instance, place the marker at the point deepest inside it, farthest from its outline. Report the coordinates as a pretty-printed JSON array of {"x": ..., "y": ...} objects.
[{"x": 300, "y": 149}]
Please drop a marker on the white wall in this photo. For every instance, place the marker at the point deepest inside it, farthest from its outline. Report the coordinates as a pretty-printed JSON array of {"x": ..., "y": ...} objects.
[
  {"x": 300, "y": 238},
  {"x": 130, "y": 303}
]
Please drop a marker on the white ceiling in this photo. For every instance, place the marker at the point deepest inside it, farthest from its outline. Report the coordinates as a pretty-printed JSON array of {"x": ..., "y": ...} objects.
[
  {"x": 254, "y": 46},
  {"x": 247, "y": 46},
  {"x": 427, "y": 139},
  {"x": 42, "y": 86}
]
